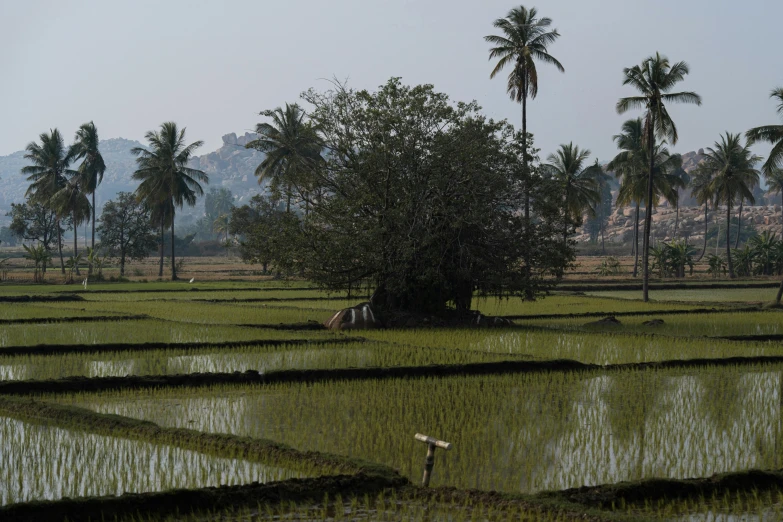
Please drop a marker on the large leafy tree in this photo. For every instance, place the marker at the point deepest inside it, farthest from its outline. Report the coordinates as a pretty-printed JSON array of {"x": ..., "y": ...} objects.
[
  {"x": 292, "y": 147},
  {"x": 524, "y": 39},
  {"x": 655, "y": 78},
  {"x": 773, "y": 167},
  {"x": 732, "y": 168},
  {"x": 126, "y": 229},
  {"x": 420, "y": 201},
  {"x": 32, "y": 221},
  {"x": 92, "y": 168},
  {"x": 167, "y": 183},
  {"x": 578, "y": 183},
  {"x": 48, "y": 174}
]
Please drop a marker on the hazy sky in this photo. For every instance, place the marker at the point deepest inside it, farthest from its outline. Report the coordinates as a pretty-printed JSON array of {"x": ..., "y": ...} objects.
[{"x": 212, "y": 66}]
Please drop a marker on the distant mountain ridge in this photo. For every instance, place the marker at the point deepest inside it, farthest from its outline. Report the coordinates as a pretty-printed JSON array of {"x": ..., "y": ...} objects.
[{"x": 231, "y": 166}]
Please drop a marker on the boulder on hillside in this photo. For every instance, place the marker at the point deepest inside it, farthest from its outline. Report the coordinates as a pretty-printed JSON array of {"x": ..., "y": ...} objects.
[{"x": 359, "y": 317}]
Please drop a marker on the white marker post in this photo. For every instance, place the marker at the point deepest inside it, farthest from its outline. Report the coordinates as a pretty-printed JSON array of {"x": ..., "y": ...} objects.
[{"x": 432, "y": 443}]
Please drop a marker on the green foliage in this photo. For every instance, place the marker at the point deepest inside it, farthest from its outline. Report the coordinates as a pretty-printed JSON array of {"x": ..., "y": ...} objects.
[
  {"x": 771, "y": 134},
  {"x": 40, "y": 256},
  {"x": 166, "y": 182},
  {"x": 609, "y": 266},
  {"x": 33, "y": 221},
  {"x": 671, "y": 259},
  {"x": 427, "y": 213},
  {"x": 265, "y": 230},
  {"x": 126, "y": 230},
  {"x": 717, "y": 266}
]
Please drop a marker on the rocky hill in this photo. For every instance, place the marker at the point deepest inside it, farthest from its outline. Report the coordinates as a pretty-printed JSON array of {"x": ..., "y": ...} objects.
[{"x": 231, "y": 166}]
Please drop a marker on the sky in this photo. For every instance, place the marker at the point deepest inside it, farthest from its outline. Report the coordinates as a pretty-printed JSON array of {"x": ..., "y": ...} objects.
[{"x": 130, "y": 65}]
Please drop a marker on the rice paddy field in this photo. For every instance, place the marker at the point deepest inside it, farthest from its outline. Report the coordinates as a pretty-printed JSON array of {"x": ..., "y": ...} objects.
[{"x": 227, "y": 400}]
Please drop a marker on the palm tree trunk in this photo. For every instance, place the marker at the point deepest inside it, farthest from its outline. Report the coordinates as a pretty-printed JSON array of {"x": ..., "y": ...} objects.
[
  {"x": 526, "y": 174},
  {"x": 75, "y": 244},
  {"x": 603, "y": 245},
  {"x": 160, "y": 270},
  {"x": 636, "y": 243},
  {"x": 676, "y": 218},
  {"x": 173, "y": 263},
  {"x": 728, "y": 240},
  {"x": 704, "y": 249},
  {"x": 780, "y": 293},
  {"x": 92, "y": 241},
  {"x": 739, "y": 223},
  {"x": 60, "y": 247},
  {"x": 648, "y": 219}
]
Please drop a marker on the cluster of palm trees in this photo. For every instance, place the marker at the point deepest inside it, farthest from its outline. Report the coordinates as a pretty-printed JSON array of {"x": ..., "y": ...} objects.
[
  {"x": 648, "y": 172},
  {"x": 65, "y": 191},
  {"x": 166, "y": 182}
]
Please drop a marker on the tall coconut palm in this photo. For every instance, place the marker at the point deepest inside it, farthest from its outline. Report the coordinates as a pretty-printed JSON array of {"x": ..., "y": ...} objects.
[
  {"x": 701, "y": 190},
  {"x": 92, "y": 168},
  {"x": 578, "y": 183},
  {"x": 654, "y": 79},
  {"x": 292, "y": 148},
  {"x": 166, "y": 180},
  {"x": 524, "y": 40},
  {"x": 733, "y": 177},
  {"x": 48, "y": 174}
]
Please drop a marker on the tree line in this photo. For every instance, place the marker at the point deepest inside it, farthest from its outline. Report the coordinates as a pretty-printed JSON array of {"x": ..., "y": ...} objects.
[{"x": 424, "y": 200}]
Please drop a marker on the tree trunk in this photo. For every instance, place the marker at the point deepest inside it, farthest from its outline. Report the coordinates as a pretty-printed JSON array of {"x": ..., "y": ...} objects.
[
  {"x": 60, "y": 247},
  {"x": 648, "y": 219},
  {"x": 780, "y": 293},
  {"x": 526, "y": 173},
  {"x": 173, "y": 263},
  {"x": 92, "y": 241},
  {"x": 728, "y": 240},
  {"x": 739, "y": 223},
  {"x": 636, "y": 243},
  {"x": 565, "y": 215},
  {"x": 160, "y": 270},
  {"x": 676, "y": 218},
  {"x": 122, "y": 265},
  {"x": 603, "y": 245},
  {"x": 704, "y": 249},
  {"x": 75, "y": 244}
]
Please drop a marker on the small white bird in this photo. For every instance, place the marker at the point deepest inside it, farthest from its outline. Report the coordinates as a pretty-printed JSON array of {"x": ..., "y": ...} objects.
[
  {"x": 84, "y": 283},
  {"x": 192, "y": 279}
]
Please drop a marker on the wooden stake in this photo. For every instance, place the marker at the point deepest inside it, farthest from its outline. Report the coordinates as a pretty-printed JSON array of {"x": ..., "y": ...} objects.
[{"x": 431, "y": 443}]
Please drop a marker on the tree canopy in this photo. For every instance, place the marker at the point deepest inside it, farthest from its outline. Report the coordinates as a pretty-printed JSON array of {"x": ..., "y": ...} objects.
[{"x": 418, "y": 198}]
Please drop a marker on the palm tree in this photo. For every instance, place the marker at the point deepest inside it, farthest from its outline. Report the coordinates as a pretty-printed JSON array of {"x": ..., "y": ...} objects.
[
  {"x": 771, "y": 134},
  {"x": 733, "y": 176},
  {"x": 701, "y": 189},
  {"x": 579, "y": 184},
  {"x": 685, "y": 179},
  {"x": 47, "y": 174},
  {"x": 71, "y": 201},
  {"x": 654, "y": 79},
  {"x": 632, "y": 163},
  {"x": 166, "y": 180},
  {"x": 629, "y": 164},
  {"x": 525, "y": 39},
  {"x": 85, "y": 147},
  {"x": 292, "y": 147}
]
